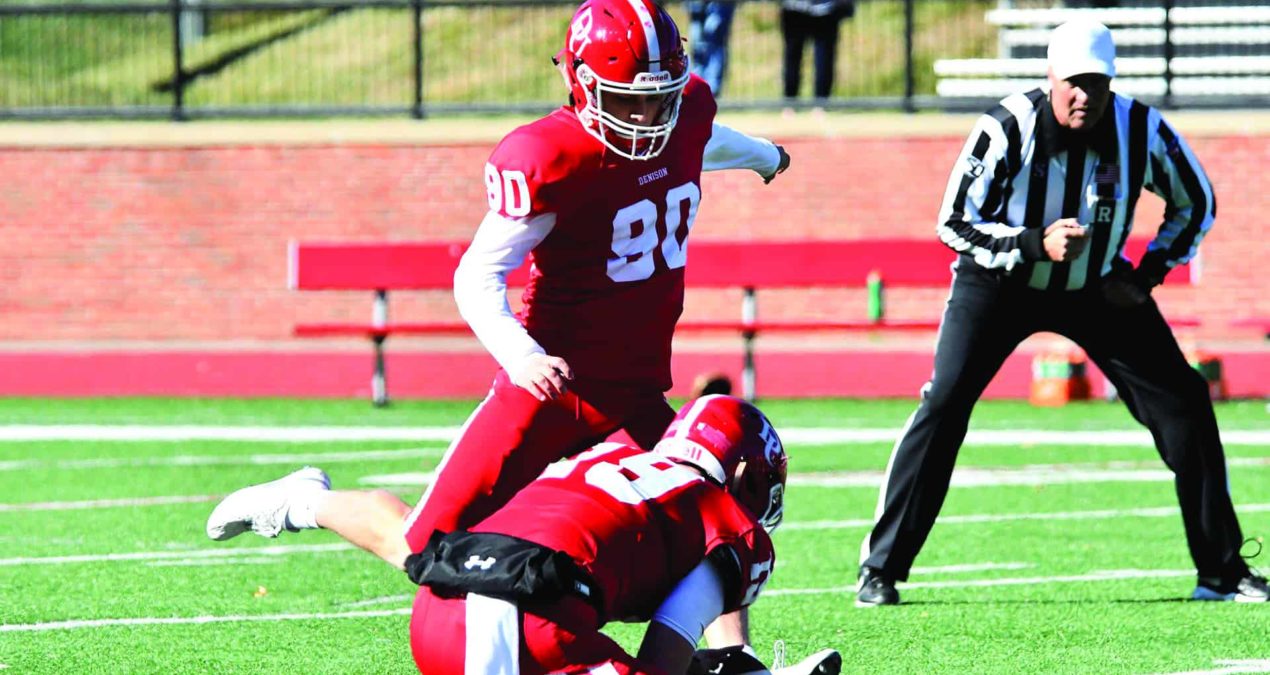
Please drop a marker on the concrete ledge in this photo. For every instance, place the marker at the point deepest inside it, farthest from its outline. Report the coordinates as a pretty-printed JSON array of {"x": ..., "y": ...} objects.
[{"x": 486, "y": 130}]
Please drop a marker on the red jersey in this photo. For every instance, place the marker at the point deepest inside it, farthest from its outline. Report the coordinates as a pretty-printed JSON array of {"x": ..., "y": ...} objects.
[
  {"x": 606, "y": 286},
  {"x": 638, "y": 523}
]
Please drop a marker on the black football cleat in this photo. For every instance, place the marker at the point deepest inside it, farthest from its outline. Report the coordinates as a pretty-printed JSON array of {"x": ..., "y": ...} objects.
[
  {"x": 823, "y": 662},
  {"x": 875, "y": 590}
]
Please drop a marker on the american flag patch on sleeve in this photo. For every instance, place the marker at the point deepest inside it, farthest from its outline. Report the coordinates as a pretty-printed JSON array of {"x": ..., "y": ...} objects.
[
  {"x": 1107, "y": 174},
  {"x": 1107, "y": 181}
]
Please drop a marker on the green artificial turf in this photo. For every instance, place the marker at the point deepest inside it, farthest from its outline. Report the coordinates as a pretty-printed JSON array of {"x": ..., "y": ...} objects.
[{"x": 1085, "y": 575}]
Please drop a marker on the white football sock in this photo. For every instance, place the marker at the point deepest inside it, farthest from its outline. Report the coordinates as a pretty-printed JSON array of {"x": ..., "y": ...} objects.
[{"x": 303, "y": 507}]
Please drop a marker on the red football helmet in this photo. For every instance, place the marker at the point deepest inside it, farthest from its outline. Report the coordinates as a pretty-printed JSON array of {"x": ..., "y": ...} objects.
[
  {"x": 624, "y": 48},
  {"x": 735, "y": 445}
]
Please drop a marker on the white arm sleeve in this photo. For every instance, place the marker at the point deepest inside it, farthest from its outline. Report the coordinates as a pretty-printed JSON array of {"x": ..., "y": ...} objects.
[
  {"x": 731, "y": 149},
  {"x": 501, "y": 245},
  {"x": 693, "y": 604}
]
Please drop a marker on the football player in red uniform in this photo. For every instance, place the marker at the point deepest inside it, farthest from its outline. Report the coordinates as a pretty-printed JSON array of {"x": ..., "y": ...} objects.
[
  {"x": 676, "y": 536},
  {"x": 600, "y": 197}
]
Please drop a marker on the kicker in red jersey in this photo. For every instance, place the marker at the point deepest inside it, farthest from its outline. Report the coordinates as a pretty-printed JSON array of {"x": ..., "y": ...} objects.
[{"x": 616, "y": 253}]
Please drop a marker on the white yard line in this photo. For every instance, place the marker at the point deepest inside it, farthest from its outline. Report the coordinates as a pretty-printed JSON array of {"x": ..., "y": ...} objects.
[
  {"x": 793, "y": 435},
  {"x": 963, "y": 477},
  {"x": 152, "y": 621},
  {"x": 223, "y": 460},
  {"x": 277, "y": 550},
  {"x": 106, "y": 503},
  {"x": 381, "y": 600},
  {"x": 129, "y": 432},
  {"x": 1232, "y": 666},
  {"x": 972, "y": 567},
  {"x": 970, "y": 476},
  {"x": 1032, "y": 474},
  {"x": 1098, "y": 576},
  {"x": 1101, "y": 575},
  {"x": 236, "y": 552},
  {"x": 1052, "y": 474},
  {"x": 199, "y": 562},
  {"x": 354, "y": 456},
  {"x": 968, "y": 519},
  {"x": 1133, "y": 437}
]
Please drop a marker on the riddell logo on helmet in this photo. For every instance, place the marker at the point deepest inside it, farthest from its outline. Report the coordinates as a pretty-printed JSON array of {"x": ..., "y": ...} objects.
[{"x": 653, "y": 78}]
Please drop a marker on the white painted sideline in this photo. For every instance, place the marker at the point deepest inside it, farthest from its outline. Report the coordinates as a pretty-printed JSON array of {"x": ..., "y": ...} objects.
[{"x": 793, "y": 435}]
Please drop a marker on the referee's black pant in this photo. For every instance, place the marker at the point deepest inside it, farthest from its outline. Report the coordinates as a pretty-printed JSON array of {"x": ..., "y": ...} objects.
[{"x": 987, "y": 316}]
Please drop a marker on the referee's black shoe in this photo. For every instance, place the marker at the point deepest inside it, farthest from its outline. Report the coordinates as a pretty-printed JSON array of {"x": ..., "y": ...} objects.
[
  {"x": 875, "y": 589},
  {"x": 1251, "y": 588}
]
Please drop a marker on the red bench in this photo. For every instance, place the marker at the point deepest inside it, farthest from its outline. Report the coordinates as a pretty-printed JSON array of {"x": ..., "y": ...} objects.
[
  {"x": 1261, "y": 323},
  {"x": 384, "y": 267}
]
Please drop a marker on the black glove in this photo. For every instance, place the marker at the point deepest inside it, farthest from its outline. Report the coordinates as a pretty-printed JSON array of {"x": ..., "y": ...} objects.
[
  {"x": 780, "y": 166},
  {"x": 1123, "y": 289},
  {"x": 726, "y": 661}
]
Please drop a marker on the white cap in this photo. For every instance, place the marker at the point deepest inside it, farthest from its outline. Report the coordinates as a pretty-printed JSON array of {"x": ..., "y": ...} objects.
[{"x": 1082, "y": 46}]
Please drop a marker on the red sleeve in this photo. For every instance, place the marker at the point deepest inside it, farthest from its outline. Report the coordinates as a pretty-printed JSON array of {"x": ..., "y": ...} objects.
[
  {"x": 523, "y": 173},
  {"x": 699, "y": 107},
  {"x": 703, "y": 99}
]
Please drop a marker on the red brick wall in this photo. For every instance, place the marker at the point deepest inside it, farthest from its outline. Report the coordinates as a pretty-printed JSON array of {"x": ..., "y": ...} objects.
[{"x": 189, "y": 243}]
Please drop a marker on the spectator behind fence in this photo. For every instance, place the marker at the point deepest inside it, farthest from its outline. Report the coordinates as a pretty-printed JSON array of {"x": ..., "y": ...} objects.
[
  {"x": 819, "y": 20},
  {"x": 710, "y": 24}
]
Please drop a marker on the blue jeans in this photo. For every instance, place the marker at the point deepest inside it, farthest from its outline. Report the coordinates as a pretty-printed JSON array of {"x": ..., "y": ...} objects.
[{"x": 708, "y": 29}]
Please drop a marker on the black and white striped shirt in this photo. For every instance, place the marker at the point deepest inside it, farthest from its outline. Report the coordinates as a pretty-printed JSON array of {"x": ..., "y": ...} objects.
[{"x": 1014, "y": 178}]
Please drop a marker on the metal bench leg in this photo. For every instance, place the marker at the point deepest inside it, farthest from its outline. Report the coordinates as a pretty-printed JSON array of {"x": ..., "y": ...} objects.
[
  {"x": 749, "y": 314},
  {"x": 379, "y": 380},
  {"x": 748, "y": 373}
]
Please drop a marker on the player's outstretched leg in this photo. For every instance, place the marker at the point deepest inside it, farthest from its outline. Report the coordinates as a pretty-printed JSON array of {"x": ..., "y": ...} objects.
[{"x": 264, "y": 508}]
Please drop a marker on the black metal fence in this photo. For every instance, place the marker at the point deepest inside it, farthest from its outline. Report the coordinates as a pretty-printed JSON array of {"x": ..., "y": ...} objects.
[{"x": 201, "y": 58}]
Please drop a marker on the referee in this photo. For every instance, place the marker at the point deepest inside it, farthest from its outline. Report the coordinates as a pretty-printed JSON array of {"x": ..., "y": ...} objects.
[{"x": 1039, "y": 205}]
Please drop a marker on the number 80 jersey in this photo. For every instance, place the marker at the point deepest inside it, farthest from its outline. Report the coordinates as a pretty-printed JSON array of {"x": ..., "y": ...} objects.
[
  {"x": 638, "y": 522},
  {"x": 606, "y": 286}
]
